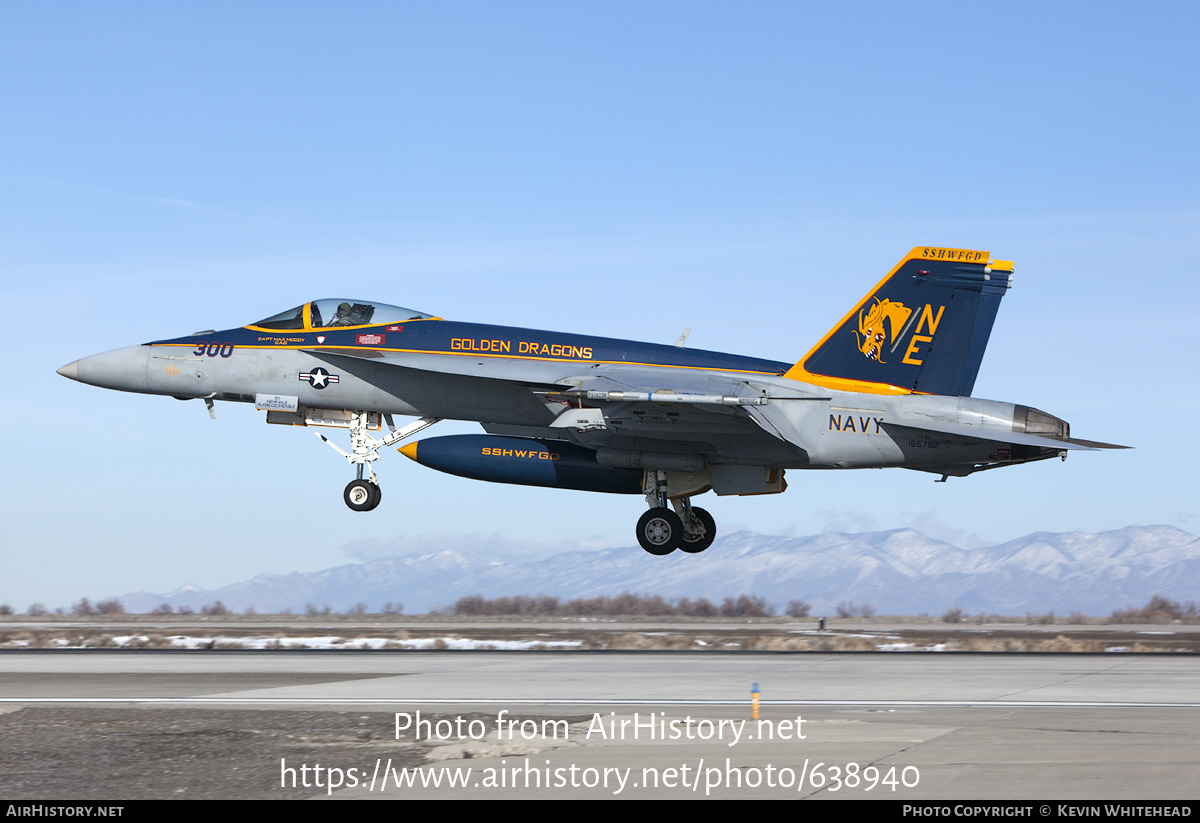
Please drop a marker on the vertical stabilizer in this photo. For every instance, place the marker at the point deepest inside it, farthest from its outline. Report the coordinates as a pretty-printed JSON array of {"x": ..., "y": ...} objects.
[{"x": 923, "y": 329}]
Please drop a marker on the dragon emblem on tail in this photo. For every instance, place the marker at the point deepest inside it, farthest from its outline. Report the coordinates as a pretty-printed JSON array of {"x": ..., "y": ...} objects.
[{"x": 870, "y": 333}]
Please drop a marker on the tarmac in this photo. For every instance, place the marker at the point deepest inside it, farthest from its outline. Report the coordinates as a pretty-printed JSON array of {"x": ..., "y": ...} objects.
[{"x": 517, "y": 725}]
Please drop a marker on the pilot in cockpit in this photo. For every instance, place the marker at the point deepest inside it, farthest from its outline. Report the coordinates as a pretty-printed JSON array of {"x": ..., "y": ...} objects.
[{"x": 342, "y": 317}]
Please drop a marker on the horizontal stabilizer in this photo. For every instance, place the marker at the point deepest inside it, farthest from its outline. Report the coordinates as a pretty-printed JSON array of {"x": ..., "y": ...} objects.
[
  {"x": 1095, "y": 444},
  {"x": 999, "y": 436}
]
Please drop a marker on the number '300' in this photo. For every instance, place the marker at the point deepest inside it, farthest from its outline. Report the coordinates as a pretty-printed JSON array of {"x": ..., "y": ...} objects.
[{"x": 213, "y": 349}]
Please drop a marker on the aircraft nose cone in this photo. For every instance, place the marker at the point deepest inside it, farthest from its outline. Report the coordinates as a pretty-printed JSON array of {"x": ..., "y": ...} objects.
[{"x": 121, "y": 369}]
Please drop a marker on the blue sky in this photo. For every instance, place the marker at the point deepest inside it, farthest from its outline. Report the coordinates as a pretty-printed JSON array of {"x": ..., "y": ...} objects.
[{"x": 623, "y": 169}]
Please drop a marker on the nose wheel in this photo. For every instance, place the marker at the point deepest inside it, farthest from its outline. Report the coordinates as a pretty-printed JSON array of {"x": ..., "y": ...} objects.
[{"x": 362, "y": 495}]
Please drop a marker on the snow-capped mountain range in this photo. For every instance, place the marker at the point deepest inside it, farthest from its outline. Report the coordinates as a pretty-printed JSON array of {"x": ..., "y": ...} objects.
[{"x": 895, "y": 572}]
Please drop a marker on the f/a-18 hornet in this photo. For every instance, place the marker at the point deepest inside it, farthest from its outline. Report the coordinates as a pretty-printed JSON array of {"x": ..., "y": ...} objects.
[{"x": 889, "y": 385}]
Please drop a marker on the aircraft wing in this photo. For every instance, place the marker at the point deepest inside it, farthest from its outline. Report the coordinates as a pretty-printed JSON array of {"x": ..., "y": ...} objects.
[
  {"x": 593, "y": 393},
  {"x": 596, "y": 377}
]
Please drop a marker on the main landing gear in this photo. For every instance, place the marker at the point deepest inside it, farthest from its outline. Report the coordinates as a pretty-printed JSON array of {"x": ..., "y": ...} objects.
[
  {"x": 661, "y": 531},
  {"x": 363, "y": 494}
]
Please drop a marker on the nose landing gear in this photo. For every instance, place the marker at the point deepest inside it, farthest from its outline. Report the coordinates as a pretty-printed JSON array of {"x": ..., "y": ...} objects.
[{"x": 362, "y": 495}]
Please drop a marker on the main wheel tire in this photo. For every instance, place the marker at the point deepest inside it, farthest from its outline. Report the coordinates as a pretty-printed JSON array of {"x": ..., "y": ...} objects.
[
  {"x": 360, "y": 497},
  {"x": 376, "y": 495},
  {"x": 705, "y": 540},
  {"x": 660, "y": 531}
]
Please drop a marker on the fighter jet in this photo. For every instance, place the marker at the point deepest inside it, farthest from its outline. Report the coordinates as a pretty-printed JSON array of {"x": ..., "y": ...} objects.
[{"x": 888, "y": 386}]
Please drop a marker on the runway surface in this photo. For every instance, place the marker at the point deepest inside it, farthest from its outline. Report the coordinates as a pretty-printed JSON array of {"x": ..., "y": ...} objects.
[{"x": 943, "y": 727}]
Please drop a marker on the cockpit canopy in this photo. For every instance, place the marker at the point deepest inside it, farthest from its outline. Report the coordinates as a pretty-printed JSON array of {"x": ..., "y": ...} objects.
[{"x": 336, "y": 313}]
